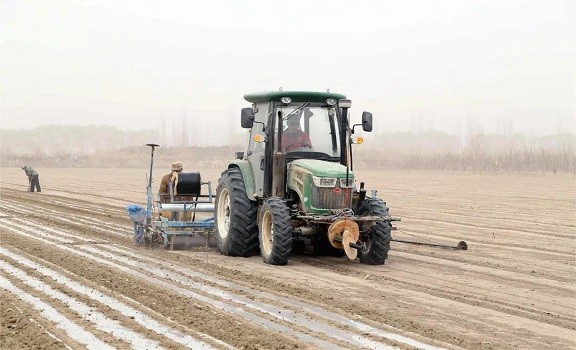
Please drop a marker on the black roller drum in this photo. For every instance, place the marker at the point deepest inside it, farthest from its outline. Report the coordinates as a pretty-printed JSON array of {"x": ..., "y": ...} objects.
[{"x": 189, "y": 183}]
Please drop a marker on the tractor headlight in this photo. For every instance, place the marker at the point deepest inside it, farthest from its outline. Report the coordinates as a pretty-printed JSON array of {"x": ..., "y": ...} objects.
[
  {"x": 286, "y": 100},
  {"x": 345, "y": 103},
  {"x": 350, "y": 182},
  {"x": 331, "y": 102},
  {"x": 324, "y": 181}
]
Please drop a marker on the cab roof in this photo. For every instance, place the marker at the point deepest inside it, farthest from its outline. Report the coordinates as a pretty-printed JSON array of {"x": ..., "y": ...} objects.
[{"x": 296, "y": 96}]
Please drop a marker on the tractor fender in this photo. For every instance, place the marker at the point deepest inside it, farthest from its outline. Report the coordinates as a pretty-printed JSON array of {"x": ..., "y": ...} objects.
[{"x": 247, "y": 175}]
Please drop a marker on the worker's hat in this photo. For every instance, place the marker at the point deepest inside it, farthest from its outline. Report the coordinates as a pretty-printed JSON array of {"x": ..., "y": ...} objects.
[{"x": 177, "y": 166}]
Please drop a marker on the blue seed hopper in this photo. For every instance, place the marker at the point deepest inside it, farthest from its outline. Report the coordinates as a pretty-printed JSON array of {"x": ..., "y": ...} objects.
[{"x": 180, "y": 219}]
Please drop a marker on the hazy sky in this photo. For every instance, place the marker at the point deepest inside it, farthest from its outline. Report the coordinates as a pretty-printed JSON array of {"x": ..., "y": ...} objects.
[{"x": 414, "y": 64}]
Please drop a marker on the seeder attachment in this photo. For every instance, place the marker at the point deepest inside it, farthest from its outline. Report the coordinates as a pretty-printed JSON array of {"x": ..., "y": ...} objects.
[{"x": 180, "y": 219}]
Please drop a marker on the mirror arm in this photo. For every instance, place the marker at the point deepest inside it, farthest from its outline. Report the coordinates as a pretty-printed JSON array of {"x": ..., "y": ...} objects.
[
  {"x": 353, "y": 126},
  {"x": 263, "y": 125}
]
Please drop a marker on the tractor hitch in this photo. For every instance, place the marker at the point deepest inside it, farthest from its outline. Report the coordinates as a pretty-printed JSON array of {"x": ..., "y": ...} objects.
[
  {"x": 357, "y": 246},
  {"x": 461, "y": 245}
]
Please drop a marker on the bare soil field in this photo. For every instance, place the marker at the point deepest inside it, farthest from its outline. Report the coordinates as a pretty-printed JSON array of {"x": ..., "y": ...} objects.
[{"x": 71, "y": 276}]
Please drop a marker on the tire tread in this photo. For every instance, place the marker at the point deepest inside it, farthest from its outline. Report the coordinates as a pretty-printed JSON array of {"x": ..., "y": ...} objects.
[
  {"x": 242, "y": 239},
  {"x": 381, "y": 233}
]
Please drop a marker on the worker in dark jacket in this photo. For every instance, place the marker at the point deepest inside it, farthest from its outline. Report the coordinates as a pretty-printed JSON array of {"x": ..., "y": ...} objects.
[{"x": 33, "y": 178}]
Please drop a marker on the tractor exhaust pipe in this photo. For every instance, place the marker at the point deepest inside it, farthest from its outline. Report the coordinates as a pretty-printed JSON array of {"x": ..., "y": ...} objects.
[{"x": 461, "y": 245}]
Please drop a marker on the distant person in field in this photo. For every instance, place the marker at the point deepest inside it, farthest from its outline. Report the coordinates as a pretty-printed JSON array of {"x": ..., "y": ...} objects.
[
  {"x": 164, "y": 190},
  {"x": 33, "y": 178},
  {"x": 293, "y": 137}
]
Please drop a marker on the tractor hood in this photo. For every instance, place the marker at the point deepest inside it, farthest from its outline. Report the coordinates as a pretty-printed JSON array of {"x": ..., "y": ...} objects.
[{"x": 322, "y": 168}]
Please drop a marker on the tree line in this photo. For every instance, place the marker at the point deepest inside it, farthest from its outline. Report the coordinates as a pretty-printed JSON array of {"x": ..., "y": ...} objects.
[{"x": 106, "y": 146}]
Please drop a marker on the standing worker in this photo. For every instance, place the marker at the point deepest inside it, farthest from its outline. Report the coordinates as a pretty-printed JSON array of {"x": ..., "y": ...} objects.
[
  {"x": 164, "y": 190},
  {"x": 33, "y": 178}
]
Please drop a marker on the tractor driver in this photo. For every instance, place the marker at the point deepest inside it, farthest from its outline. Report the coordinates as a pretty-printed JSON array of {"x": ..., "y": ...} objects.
[
  {"x": 164, "y": 191},
  {"x": 293, "y": 137}
]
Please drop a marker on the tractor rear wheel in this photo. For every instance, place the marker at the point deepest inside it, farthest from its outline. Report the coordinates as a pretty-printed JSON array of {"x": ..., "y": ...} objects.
[
  {"x": 235, "y": 216},
  {"x": 275, "y": 231},
  {"x": 377, "y": 242}
]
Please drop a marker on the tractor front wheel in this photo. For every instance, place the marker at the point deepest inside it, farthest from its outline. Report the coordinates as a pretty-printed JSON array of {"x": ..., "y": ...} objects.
[
  {"x": 275, "y": 231},
  {"x": 377, "y": 239},
  {"x": 235, "y": 216}
]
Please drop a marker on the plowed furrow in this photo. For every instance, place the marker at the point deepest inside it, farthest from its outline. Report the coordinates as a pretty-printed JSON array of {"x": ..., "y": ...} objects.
[
  {"x": 284, "y": 315},
  {"x": 95, "y": 297},
  {"x": 72, "y": 329}
]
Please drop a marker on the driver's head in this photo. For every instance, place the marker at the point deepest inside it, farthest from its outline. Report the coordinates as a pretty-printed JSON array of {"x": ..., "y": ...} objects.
[{"x": 293, "y": 121}]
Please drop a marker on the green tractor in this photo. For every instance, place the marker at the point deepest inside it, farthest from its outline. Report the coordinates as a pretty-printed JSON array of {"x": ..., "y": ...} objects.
[{"x": 294, "y": 189}]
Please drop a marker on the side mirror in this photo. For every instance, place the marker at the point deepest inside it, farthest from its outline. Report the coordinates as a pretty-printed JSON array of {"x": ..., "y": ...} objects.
[
  {"x": 367, "y": 121},
  {"x": 247, "y": 117}
]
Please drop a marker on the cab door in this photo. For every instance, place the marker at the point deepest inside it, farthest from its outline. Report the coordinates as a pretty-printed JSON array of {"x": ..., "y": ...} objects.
[{"x": 257, "y": 150}]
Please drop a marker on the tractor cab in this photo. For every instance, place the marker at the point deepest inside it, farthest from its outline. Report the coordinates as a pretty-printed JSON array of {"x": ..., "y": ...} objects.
[{"x": 290, "y": 125}]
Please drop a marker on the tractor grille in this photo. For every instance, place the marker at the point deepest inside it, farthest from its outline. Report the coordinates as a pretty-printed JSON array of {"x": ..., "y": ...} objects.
[{"x": 330, "y": 198}]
